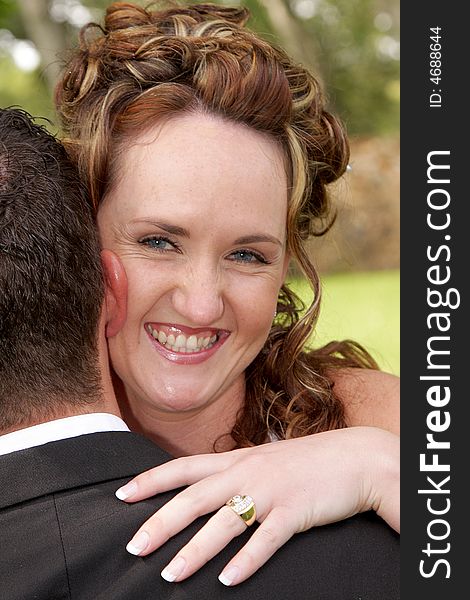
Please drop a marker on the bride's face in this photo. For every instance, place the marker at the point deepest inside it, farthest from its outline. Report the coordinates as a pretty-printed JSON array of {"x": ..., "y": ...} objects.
[{"x": 198, "y": 218}]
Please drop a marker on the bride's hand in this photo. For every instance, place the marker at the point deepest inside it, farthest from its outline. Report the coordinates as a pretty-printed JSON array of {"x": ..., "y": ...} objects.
[{"x": 296, "y": 484}]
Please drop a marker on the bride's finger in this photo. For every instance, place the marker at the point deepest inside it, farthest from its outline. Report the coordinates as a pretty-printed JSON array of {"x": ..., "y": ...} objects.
[
  {"x": 219, "y": 530},
  {"x": 276, "y": 529},
  {"x": 173, "y": 474},
  {"x": 199, "y": 499}
]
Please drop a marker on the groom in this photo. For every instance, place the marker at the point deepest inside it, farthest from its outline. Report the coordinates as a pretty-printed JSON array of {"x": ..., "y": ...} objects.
[{"x": 64, "y": 449}]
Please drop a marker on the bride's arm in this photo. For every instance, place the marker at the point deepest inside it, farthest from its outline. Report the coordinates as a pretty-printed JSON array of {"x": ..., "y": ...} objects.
[{"x": 296, "y": 484}]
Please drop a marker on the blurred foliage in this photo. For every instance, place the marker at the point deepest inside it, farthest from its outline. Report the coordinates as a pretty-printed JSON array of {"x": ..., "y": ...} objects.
[
  {"x": 351, "y": 45},
  {"x": 359, "y": 62},
  {"x": 24, "y": 89},
  {"x": 361, "y": 306}
]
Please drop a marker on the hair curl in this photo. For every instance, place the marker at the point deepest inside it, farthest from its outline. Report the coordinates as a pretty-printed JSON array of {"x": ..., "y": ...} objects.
[{"x": 144, "y": 65}]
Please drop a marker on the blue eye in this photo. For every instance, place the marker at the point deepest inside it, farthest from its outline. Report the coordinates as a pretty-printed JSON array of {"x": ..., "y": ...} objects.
[
  {"x": 248, "y": 257},
  {"x": 158, "y": 243}
]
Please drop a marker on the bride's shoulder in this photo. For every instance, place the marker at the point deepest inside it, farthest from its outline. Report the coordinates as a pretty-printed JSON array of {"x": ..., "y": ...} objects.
[{"x": 370, "y": 397}]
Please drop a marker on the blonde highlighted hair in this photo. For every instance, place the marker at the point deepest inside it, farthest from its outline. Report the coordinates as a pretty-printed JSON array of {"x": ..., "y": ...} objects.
[{"x": 145, "y": 65}]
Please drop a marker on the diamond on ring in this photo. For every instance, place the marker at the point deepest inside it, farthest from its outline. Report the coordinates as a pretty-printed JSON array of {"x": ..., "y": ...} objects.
[{"x": 244, "y": 507}]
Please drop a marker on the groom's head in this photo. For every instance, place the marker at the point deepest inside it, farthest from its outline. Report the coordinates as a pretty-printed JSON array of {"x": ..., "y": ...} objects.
[{"x": 51, "y": 282}]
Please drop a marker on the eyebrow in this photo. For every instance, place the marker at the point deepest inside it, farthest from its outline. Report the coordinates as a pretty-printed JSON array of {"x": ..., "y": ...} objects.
[
  {"x": 252, "y": 239},
  {"x": 173, "y": 229},
  {"x": 246, "y": 239}
]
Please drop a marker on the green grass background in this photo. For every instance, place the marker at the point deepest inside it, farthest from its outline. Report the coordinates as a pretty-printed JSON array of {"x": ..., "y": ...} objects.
[{"x": 363, "y": 306}]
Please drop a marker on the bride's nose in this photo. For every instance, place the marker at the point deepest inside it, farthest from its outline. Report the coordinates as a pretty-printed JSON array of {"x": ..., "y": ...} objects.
[{"x": 198, "y": 296}]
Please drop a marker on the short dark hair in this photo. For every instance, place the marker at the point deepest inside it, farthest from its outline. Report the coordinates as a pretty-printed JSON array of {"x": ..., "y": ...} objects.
[{"x": 51, "y": 282}]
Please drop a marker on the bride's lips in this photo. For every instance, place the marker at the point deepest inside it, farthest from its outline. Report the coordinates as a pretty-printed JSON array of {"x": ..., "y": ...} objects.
[{"x": 185, "y": 345}]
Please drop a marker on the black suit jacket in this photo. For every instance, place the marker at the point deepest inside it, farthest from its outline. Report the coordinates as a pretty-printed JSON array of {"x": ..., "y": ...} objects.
[{"x": 63, "y": 535}]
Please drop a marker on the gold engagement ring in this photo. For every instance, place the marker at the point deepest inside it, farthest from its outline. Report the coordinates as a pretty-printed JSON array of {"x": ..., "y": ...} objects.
[{"x": 244, "y": 507}]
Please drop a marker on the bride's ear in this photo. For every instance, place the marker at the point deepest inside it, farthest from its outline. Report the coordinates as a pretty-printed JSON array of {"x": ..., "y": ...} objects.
[{"x": 116, "y": 292}]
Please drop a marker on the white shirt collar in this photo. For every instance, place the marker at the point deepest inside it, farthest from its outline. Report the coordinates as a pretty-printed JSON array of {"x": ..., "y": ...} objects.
[{"x": 59, "y": 429}]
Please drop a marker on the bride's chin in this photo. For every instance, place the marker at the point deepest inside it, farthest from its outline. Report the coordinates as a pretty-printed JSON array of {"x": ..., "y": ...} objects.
[
  {"x": 177, "y": 405},
  {"x": 176, "y": 402}
]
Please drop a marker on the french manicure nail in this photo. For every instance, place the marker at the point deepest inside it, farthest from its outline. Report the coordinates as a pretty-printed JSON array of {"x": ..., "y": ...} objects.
[
  {"x": 229, "y": 576},
  {"x": 174, "y": 569},
  {"x": 126, "y": 491},
  {"x": 138, "y": 543}
]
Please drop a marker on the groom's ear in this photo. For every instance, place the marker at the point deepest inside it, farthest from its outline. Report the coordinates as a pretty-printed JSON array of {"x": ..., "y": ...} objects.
[{"x": 116, "y": 292}]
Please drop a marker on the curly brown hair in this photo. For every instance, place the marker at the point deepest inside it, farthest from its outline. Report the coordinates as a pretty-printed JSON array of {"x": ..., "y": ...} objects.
[{"x": 143, "y": 65}]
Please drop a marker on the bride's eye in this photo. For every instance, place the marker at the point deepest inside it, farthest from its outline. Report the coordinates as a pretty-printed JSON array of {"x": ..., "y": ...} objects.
[
  {"x": 248, "y": 257},
  {"x": 159, "y": 243}
]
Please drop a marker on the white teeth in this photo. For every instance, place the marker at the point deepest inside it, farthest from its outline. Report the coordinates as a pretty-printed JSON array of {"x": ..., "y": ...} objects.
[
  {"x": 181, "y": 343},
  {"x": 191, "y": 343}
]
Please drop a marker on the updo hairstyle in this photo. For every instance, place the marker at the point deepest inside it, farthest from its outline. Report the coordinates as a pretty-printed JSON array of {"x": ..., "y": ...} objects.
[{"x": 146, "y": 65}]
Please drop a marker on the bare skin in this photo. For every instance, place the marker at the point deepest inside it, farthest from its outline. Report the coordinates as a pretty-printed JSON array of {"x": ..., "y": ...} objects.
[{"x": 364, "y": 406}]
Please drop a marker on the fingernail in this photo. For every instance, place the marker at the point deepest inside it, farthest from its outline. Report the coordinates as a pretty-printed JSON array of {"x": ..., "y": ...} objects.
[
  {"x": 126, "y": 491},
  {"x": 229, "y": 576},
  {"x": 174, "y": 569},
  {"x": 138, "y": 543}
]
